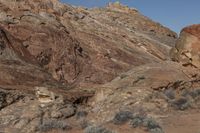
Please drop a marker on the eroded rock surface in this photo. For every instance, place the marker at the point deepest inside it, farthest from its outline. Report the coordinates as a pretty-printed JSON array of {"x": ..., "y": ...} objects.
[
  {"x": 71, "y": 69},
  {"x": 81, "y": 46},
  {"x": 187, "y": 47}
]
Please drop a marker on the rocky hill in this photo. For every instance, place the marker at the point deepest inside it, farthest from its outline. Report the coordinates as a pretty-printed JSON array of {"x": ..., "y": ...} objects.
[{"x": 102, "y": 70}]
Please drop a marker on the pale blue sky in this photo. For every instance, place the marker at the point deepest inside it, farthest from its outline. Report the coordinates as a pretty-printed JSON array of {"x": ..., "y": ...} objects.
[{"x": 174, "y": 14}]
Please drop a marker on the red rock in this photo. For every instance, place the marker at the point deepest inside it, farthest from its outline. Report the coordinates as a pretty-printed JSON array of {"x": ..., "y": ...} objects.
[
  {"x": 57, "y": 60},
  {"x": 193, "y": 29},
  {"x": 85, "y": 50},
  {"x": 187, "y": 47}
]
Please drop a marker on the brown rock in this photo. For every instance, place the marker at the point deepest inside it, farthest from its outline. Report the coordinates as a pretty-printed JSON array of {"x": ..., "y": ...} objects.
[
  {"x": 57, "y": 59},
  {"x": 187, "y": 47},
  {"x": 64, "y": 111},
  {"x": 77, "y": 46}
]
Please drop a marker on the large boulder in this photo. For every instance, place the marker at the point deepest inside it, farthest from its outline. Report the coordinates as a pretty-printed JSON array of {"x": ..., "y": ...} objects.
[{"x": 187, "y": 48}]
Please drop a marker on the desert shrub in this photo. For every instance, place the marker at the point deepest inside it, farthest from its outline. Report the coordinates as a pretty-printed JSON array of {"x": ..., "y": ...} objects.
[
  {"x": 170, "y": 93},
  {"x": 137, "y": 121},
  {"x": 84, "y": 124},
  {"x": 149, "y": 123},
  {"x": 81, "y": 114},
  {"x": 185, "y": 93},
  {"x": 122, "y": 117},
  {"x": 49, "y": 125},
  {"x": 186, "y": 98},
  {"x": 97, "y": 129},
  {"x": 2, "y": 100},
  {"x": 195, "y": 93},
  {"x": 156, "y": 130},
  {"x": 181, "y": 103}
]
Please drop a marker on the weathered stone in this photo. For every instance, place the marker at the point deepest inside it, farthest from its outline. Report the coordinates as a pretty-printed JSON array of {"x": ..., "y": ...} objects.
[
  {"x": 57, "y": 59},
  {"x": 43, "y": 38},
  {"x": 187, "y": 48},
  {"x": 63, "y": 111},
  {"x": 44, "y": 95}
]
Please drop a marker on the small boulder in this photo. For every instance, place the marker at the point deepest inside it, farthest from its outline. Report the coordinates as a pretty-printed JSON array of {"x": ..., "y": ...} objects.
[
  {"x": 63, "y": 111},
  {"x": 44, "y": 95}
]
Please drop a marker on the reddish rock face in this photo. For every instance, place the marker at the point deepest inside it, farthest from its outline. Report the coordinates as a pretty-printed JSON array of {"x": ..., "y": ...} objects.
[
  {"x": 17, "y": 64},
  {"x": 193, "y": 29},
  {"x": 84, "y": 47},
  {"x": 187, "y": 48},
  {"x": 66, "y": 68}
]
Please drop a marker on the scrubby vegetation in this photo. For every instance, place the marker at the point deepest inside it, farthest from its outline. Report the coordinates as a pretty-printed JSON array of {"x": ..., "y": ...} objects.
[
  {"x": 49, "y": 125},
  {"x": 138, "y": 120},
  {"x": 181, "y": 103},
  {"x": 179, "y": 95},
  {"x": 97, "y": 129},
  {"x": 81, "y": 114},
  {"x": 187, "y": 98},
  {"x": 149, "y": 123},
  {"x": 122, "y": 117}
]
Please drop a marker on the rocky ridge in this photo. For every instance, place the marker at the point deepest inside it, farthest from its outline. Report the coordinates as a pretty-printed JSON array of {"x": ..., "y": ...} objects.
[
  {"x": 66, "y": 41},
  {"x": 63, "y": 68}
]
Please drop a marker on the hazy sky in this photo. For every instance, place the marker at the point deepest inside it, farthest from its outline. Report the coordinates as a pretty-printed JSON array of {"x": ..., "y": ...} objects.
[{"x": 174, "y": 14}]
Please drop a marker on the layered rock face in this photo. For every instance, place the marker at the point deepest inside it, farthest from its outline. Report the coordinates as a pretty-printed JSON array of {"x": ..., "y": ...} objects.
[
  {"x": 66, "y": 41},
  {"x": 72, "y": 69},
  {"x": 187, "y": 48}
]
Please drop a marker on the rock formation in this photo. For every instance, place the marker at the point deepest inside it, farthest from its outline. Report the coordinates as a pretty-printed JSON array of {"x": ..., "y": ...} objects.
[
  {"x": 72, "y": 69},
  {"x": 66, "y": 41},
  {"x": 44, "y": 95},
  {"x": 187, "y": 47}
]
